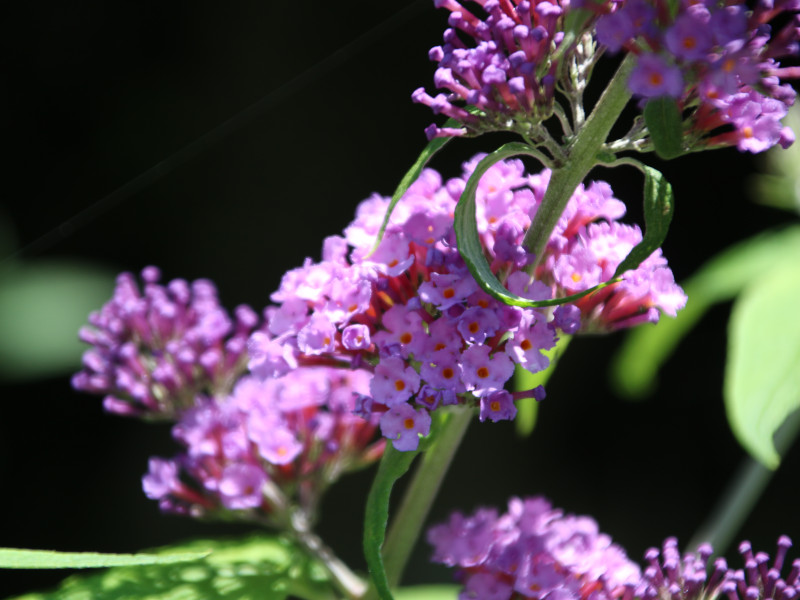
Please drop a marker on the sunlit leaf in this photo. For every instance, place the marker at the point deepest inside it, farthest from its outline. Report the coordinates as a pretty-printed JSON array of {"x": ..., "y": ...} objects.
[
  {"x": 267, "y": 568},
  {"x": 43, "y": 304},
  {"x": 762, "y": 374},
  {"x": 647, "y": 347},
  {"x": 428, "y": 592},
  {"x": 17, "y": 558}
]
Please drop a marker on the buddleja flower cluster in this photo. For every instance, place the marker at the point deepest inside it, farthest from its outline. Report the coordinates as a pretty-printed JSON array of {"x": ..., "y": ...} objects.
[
  {"x": 534, "y": 551},
  {"x": 510, "y": 74},
  {"x": 718, "y": 59},
  {"x": 154, "y": 352},
  {"x": 506, "y": 59},
  {"x": 253, "y": 449},
  {"x": 413, "y": 316}
]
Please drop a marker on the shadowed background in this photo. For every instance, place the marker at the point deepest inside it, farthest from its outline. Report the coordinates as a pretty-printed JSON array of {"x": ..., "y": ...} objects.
[{"x": 93, "y": 94}]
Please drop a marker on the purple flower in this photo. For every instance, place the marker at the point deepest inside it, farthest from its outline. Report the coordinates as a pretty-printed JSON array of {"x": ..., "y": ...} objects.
[
  {"x": 477, "y": 323},
  {"x": 356, "y": 337},
  {"x": 240, "y": 486},
  {"x": 653, "y": 77},
  {"x": 542, "y": 552},
  {"x": 394, "y": 383},
  {"x": 689, "y": 37},
  {"x": 161, "y": 479},
  {"x": 482, "y": 372},
  {"x": 498, "y": 406},
  {"x": 404, "y": 426},
  {"x": 154, "y": 350}
]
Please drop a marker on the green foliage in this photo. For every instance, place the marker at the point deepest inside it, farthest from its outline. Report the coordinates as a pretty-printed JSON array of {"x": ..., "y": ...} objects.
[
  {"x": 659, "y": 206},
  {"x": 647, "y": 348},
  {"x": 761, "y": 388},
  {"x": 663, "y": 119},
  {"x": 762, "y": 374},
  {"x": 16, "y": 558},
  {"x": 393, "y": 466},
  {"x": 428, "y": 592},
  {"x": 264, "y": 568},
  {"x": 43, "y": 304}
]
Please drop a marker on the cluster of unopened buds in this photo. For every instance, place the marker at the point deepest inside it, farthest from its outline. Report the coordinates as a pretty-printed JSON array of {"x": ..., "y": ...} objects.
[
  {"x": 503, "y": 63},
  {"x": 535, "y": 551}
]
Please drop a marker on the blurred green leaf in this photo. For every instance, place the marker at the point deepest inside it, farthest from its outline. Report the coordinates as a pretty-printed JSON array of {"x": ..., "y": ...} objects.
[
  {"x": 762, "y": 373},
  {"x": 8, "y": 237},
  {"x": 428, "y": 592},
  {"x": 267, "y": 568},
  {"x": 43, "y": 304},
  {"x": 635, "y": 367},
  {"x": 394, "y": 464},
  {"x": 664, "y": 122},
  {"x": 18, "y": 558},
  {"x": 528, "y": 408},
  {"x": 781, "y": 187}
]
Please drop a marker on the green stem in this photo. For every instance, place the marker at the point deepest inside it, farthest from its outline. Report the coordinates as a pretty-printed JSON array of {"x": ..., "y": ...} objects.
[
  {"x": 742, "y": 493},
  {"x": 581, "y": 156},
  {"x": 421, "y": 492}
]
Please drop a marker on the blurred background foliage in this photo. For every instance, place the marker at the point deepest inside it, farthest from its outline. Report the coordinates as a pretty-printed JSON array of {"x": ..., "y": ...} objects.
[{"x": 94, "y": 94}]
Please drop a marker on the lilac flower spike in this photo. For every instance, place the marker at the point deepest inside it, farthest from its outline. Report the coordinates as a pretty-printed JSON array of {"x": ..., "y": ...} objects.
[
  {"x": 154, "y": 350},
  {"x": 533, "y": 551},
  {"x": 411, "y": 315},
  {"x": 504, "y": 64}
]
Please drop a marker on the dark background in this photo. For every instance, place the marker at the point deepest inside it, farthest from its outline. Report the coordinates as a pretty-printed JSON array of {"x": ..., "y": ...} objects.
[{"x": 95, "y": 93}]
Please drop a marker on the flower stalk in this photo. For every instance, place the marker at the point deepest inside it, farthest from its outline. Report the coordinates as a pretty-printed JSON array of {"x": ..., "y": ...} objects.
[{"x": 581, "y": 156}]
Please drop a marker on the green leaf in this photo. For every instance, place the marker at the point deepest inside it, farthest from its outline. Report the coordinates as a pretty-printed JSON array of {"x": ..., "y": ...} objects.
[
  {"x": 762, "y": 372},
  {"x": 268, "y": 568},
  {"x": 665, "y": 124},
  {"x": 659, "y": 207},
  {"x": 410, "y": 177},
  {"x": 428, "y": 592},
  {"x": 393, "y": 466},
  {"x": 16, "y": 558},
  {"x": 528, "y": 408},
  {"x": 646, "y": 348},
  {"x": 43, "y": 304},
  {"x": 469, "y": 241}
]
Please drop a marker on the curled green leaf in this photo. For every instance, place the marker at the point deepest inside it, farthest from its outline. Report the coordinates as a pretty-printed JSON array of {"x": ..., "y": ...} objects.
[
  {"x": 659, "y": 206},
  {"x": 469, "y": 242}
]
